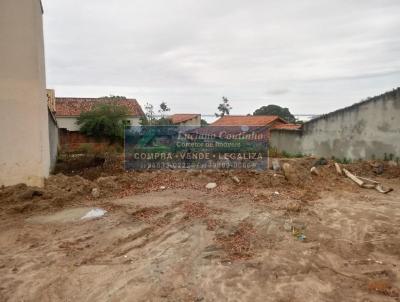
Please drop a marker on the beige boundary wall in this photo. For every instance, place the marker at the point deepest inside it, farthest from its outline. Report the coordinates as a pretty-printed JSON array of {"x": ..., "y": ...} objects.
[
  {"x": 369, "y": 129},
  {"x": 24, "y": 119}
]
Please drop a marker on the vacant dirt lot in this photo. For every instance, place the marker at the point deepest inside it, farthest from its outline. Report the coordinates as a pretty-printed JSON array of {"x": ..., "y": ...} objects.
[{"x": 165, "y": 237}]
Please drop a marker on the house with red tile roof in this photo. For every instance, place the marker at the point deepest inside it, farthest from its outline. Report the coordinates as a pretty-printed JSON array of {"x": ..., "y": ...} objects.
[
  {"x": 270, "y": 121},
  {"x": 186, "y": 119},
  {"x": 67, "y": 110},
  {"x": 256, "y": 123}
]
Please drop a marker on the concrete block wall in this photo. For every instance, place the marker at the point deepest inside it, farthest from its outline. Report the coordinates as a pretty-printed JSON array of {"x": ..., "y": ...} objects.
[{"x": 369, "y": 129}]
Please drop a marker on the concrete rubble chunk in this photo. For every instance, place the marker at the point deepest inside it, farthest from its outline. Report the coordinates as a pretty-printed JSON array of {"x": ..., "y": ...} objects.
[
  {"x": 95, "y": 192},
  {"x": 236, "y": 179},
  {"x": 211, "y": 185},
  {"x": 314, "y": 171},
  {"x": 276, "y": 166},
  {"x": 288, "y": 171}
]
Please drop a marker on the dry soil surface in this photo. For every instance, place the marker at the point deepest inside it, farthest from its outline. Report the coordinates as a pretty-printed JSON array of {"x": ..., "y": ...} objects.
[{"x": 193, "y": 244}]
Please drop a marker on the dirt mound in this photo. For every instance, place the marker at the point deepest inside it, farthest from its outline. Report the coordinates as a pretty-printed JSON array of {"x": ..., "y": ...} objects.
[
  {"x": 265, "y": 186},
  {"x": 90, "y": 166},
  {"x": 58, "y": 191}
]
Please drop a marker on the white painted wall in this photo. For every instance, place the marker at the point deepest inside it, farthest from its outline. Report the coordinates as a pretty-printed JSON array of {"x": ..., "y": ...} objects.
[
  {"x": 24, "y": 134},
  {"x": 69, "y": 123},
  {"x": 135, "y": 121}
]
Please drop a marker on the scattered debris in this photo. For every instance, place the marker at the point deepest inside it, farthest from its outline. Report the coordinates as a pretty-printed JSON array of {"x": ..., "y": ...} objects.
[
  {"x": 366, "y": 183},
  {"x": 211, "y": 185},
  {"x": 338, "y": 169},
  {"x": 289, "y": 173},
  {"x": 321, "y": 162},
  {"x": 236, "y": 179},
  {"x": 94, "y": 213},
  {"x": 377, "y": 167},
  {"x": 297, "y": 228},
  {"x": 95, "y": 192},
  {"x": 302, "y": 237},
  {"x": 314, "y": 171},
  {"x": 167, "y": 226},
  {"x": 276, "y": 165}
]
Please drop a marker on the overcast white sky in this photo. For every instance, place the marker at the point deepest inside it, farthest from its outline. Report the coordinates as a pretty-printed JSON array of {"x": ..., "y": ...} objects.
[{"x": 313, "y": 56}]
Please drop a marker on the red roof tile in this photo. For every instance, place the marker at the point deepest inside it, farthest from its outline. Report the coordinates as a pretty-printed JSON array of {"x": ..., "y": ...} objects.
[
  {"x": 74, "y": 106},
  {"x": 247, "y": 120},
  {"x": 182, "y": 117}
]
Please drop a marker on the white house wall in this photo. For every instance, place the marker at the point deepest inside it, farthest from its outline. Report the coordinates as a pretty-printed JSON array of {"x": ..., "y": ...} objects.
[
  {"x": 24, "y": 134},
  {"x": 70, "y": 124}
]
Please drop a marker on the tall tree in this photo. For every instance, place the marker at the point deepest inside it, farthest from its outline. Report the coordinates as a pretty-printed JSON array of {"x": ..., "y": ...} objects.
[
  {"x": 276, "y": 110},
  {"x": 163, "y": 109},
  {"x": 104, "y": 120},
  {"x": 150, "y": 118},
  {"x": 224, "y": 108}
]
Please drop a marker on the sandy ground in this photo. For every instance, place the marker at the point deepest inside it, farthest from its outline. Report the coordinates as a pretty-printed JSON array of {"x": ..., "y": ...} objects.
[{"x": 192, "y": 244}]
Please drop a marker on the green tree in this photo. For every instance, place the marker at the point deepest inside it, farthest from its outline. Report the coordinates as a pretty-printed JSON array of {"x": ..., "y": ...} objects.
[
  {"x": 276, "y": 110},
  {"x": 224, "y": 108},
  {"x": 163, "y": 109},
  {"x": 149, "y": 117},
  {"x": 203, "y": 123},
  {"x": 104, "y": 120}
]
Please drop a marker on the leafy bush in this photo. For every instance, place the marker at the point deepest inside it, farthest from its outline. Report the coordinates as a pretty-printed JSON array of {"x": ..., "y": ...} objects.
[{"x": 104, "y": 120}]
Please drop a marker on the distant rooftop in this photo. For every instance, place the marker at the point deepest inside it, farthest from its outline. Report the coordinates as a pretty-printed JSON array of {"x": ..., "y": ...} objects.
[
  {"x": 182, "y": 117},
  {"x": 247, "y": 120},
  {"x": 287, "y": 126},
  {"x": 75, "y": 106}
]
